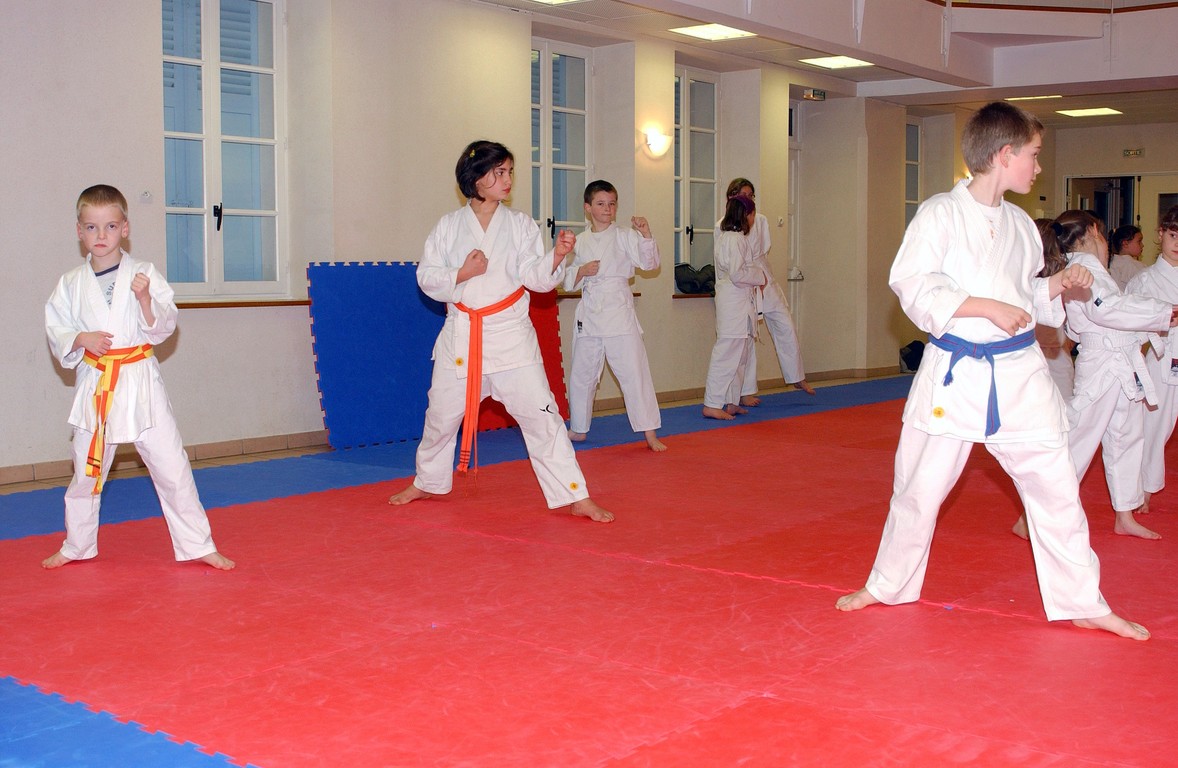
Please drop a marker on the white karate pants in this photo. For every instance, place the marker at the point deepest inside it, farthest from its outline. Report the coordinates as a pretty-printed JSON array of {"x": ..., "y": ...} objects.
[
  {"x": 1117, "y": 425},
  {"x": 162, "y": 452},
  {"x": 626, "y": 356},
  {"x": 525, "y": 394},
  {"x": 726, "y": 371},
  {"x": 1159, "y": 424},
  {"x": 927, "y": 468},
  {"x": 780, "y": 325}
]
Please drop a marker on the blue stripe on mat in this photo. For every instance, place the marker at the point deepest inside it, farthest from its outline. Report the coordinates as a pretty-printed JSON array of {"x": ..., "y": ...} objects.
[
  {"x": 43, "y": 729},
  {"x": 35, "y": 513}
]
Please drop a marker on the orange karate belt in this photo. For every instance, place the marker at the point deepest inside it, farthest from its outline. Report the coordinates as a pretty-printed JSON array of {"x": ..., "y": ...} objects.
[
  {"x": 109, "y": 366},
  {"x": 474, "y": 374}
]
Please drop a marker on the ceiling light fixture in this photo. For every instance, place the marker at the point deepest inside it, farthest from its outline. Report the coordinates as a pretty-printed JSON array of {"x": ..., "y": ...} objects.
[
  {"x": 1032, "y": 98},
  {"x": 1095, "y": 112},
  {"x": 713, "y": 32},
  {"x": 836, "y": 62},
  {"x": 555, "y": 2}
]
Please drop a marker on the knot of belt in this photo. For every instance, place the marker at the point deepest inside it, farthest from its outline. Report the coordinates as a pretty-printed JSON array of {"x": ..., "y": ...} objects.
[
  {"x": 474, "y": 373},
  {"x": 109, "y": 366},
  {"x": 959, "y": 348}
]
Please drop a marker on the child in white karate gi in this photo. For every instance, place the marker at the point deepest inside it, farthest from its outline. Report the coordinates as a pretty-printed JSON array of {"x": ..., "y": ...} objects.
[
  {"x": 772, "y": 307},
  {"x": 607, "y": 327},
  {"x": 1054, "y": 341},
  {"x": 1125, "y": 244},
  {"x": 1160, "y": 281},
  {"x": 479, "y": 260},
  {"x": 1111, "y": 379},
  {"x": 737, "y": 277},
  {"x": 103, "y": 319},
  {"x": 966, "y": 274}
]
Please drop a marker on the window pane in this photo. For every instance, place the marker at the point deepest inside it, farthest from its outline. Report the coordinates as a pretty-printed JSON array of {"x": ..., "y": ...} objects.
[
  {"x": 678, "y": 97},
  {"x": 678, "y": 154},
  {"x": 912, "y": 143},
  {"x": 703, "y": 155},
  {"x": 909, "y": 212},
  {"x": 184, "y": 173},
  {"x": 568, "y": 194},
  {"x": 182, "y": 99},
  {"x": 568, "y": 81},
  {"x": 568, "y": 138},
  {"x": 703, "y": 206},
  {"x": 182, "y": 28},
  {"x": 247, "y": 104},
  {"x": 247, "y": 33},
  {"x": 247, "y": 172},
  {"x": 702, "y": 247},
  {"x": 911, "y": 182},
  {"x": 535, "y": 77},
  {"x": 702, "y": 100},
  {"x": 678, "y": 204},
  {"x": 536, "y": 193},
  {"x": 186, "y": 247},
  {"x": 535, "y": 135},
  {"x": 250, "y": 252}
]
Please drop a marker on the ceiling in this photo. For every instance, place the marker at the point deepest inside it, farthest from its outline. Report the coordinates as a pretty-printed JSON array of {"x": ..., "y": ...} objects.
[{"x": 600, "y": 22}]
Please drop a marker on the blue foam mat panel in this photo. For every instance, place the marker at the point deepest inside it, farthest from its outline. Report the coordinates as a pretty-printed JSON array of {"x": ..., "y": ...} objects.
[{"x": 374, "y": 332}]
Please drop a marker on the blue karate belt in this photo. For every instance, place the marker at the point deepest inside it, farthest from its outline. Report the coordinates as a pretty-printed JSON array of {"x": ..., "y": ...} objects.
[{"x": 961, "y": 348}]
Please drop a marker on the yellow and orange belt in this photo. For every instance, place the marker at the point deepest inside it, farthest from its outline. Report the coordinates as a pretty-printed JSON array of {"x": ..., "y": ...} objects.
[
  {"x": 474, "y": 373},
  {"x": 108, "y": 365}
]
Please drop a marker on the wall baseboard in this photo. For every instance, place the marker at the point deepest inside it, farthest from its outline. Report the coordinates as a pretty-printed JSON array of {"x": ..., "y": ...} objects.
[{"x": 126, "y": 457}]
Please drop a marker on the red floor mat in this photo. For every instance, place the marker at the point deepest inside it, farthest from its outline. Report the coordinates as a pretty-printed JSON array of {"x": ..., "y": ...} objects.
[{"x": 698, "y": 629}]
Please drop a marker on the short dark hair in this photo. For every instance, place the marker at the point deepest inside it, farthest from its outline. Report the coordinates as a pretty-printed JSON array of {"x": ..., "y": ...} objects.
[
  {"x": 1122, "y": 235},
  {"x": 601, "y": 185},
  {"x": 993, "y": 127},
  {"x": 1169, "y": 219},
  {"x": 477, "y": 160},
  {"x": 738, "y": 184}
]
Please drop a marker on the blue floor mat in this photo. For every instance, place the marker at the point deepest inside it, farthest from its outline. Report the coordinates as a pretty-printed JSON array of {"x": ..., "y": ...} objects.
[{"x": 39, "y": 512}]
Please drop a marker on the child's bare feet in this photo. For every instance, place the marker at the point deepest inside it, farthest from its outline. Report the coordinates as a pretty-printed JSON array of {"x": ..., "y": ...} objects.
[
  {"x": 588, "y": 508},
  {"x": 653, "y": 442},
  {"x": 717, "y": 413},
  {"x": 56, "y": 560},
  {"x": 219, "y": 561},
  {"x": 735, "y": 410},
  {"x": 1144, "y": 508},
  {"x": 752, "y": 401},
  {"x": 576, "y": 437},
  {"x": 1126, "y": 525},
  {"x": 1020, "y": 528},
  {"x": 1111, "y": 622},
  {"x": 411, "y": 493},
  {"x": 856, "y": 600},
  {"x": 804, "y": 386}
]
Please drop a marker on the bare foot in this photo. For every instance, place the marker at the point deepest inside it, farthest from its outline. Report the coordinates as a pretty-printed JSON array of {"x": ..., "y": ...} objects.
[
  {"x": 1020, "y": 528},
  {"x": 219, "y": 561},
  {"x": 576, "y": 437},
  {"x": 412, "y": 493},
  {"x": 1144, "y": 508},
  {"x": 588, "y": 508},
  {"x": 1111, "y": 622},
  {"x": 1126, "y": 525},
  {"x": 752, "y": 401},
  {"x": 717, "y": 413},
  {"x": 856, "y": 600},
  {"x": 735, "y": 410},
  {"x": 56, "y": 560},
  {"x": 652, "y": 440},
  {"x": 804, "y": 386}
]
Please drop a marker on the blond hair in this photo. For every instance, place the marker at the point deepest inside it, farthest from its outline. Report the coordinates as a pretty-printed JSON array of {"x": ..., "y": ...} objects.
[{"x": 101, "y": 195}]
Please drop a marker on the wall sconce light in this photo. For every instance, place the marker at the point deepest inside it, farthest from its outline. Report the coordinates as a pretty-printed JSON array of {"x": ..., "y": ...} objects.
[{"x": 657, "y": 142}]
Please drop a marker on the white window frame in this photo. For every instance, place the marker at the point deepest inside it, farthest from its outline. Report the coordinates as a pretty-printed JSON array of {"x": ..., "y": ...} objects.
[
  {"x": 215, "y": 287},
  {"x": 686, "y": 176},
  {"x": 543, "y": 162},
  {"x": 913, "y": 166}
]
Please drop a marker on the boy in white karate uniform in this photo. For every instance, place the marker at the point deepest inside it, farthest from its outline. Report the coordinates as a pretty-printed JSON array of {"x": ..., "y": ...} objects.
[
  {"x": 965, "y": 273},
  {"x": 479, "y": 260},
  {"x": 606, "y": 325},
  {"x": 103, "y": 319},
  {"x": 1160, "y": 281}
]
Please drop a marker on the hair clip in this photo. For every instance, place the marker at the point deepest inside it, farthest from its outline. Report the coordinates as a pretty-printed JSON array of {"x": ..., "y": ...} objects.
[{"x": 472, "y": 153}]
